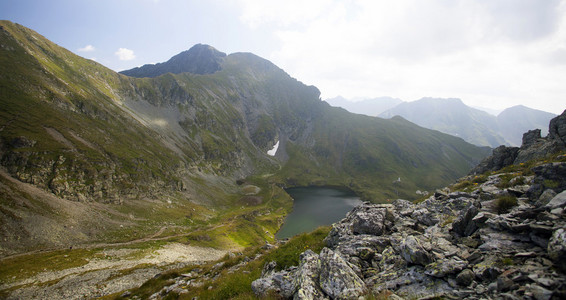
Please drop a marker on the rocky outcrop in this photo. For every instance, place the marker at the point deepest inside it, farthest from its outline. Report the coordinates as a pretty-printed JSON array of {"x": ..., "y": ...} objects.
[
  {"x": 533, "y": 147},
  {"x": 451, "y": 245}
]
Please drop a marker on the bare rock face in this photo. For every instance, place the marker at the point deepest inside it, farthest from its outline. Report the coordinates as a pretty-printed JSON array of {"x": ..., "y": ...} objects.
[
  {"x": 368, "y": 220},
  {"x": 337, "y": 279},
  {"x": 502, "y": 156},
  {"x": 413, "y": 252},
  {"x": 200, "y": 59},
  {"x": 307, "y": 277},
  {"x": 557, "y": 248},
  {"x": 557, "y": 129},
  {"x": 531, "y": 137},
  {"x": 533, "y": 147},
  {"x": 281, "y": 282},
  {"x": 464, "y": 224},
  {"x": 548, "y": 176}
]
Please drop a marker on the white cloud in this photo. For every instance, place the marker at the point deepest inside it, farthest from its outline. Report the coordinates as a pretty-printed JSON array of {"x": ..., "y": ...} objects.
[
  {"x": 489, "y": 53},
  {"x": 125, "y": 54},
  {"x": 87, "y": 48}
]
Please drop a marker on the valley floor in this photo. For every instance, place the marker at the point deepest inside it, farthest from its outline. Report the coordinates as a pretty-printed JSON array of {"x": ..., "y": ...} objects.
[
  {"x": 107, "y": 271},
  {"x": 53, "y": 248}
]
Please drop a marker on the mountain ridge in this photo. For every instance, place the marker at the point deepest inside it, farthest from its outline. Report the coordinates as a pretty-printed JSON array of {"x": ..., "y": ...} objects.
[
  {"x": 371, "y": 107},
  {"x": 85, "y": 133},
  {"x": 451, "y": 116},
  {"x": 503, "y": 128},
  {"x": 200, "y": 59}
]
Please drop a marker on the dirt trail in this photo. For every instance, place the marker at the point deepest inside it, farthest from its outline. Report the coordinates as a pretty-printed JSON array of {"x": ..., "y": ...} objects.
[
  {"x": 153, "y": 237},
  {"x": 114, "y": 270}
]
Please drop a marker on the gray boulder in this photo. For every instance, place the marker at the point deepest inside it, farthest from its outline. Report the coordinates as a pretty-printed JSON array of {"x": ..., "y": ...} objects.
[
  {"x": 465, "y": 225},
  {"x": 557, "y": 248},
  {"x": 307, "y": 277},
  {"x": 362, "y": 246},
  {"x": 444, "y": 267},
  {"x": 369, "y": 219},
  {"x": 281, "y": 283},
  {"x": 545, "y": 197},
  {"x": 413, "y": 252},
  {"x": 466, "y": 277},
  {"x": 337, "y": 279},
  {"x": 558, "y": 201}
]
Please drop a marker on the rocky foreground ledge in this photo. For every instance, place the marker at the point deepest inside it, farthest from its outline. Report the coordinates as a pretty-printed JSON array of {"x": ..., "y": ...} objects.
[{"x": 471, "y": 245}]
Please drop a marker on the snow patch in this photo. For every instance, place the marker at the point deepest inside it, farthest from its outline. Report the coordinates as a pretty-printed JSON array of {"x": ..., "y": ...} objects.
[{"x": 274, "y": 150}]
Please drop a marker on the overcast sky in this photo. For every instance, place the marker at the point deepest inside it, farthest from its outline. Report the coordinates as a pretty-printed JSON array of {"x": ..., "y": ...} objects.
[{"x": 490, "y": 53}]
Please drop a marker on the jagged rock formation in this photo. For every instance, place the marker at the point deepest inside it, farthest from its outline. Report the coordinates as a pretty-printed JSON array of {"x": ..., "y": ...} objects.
[
  {"x": 454, "y": 245},
  {"x": 533, "y": 147},
  {"x": 516, "y": 120}
]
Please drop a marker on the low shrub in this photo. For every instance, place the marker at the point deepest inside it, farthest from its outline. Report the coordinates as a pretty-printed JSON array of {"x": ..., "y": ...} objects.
[{"x": 504, "y": 203}]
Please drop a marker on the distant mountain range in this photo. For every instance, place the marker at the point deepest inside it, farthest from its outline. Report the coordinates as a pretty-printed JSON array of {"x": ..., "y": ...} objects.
[
  {"x": 452, "y": 116},
  {"x": 369, "y": 107}
]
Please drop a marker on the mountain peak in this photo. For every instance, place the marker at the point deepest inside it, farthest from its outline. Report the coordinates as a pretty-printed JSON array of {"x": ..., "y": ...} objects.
[
  {"x": 199, "y": 59},
  {"x": 441, "y": 101}
]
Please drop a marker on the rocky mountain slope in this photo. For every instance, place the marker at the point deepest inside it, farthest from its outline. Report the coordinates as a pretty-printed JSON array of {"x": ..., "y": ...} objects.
[
  {"x": 452, "y": 116},
  {"x": 499, "y": 235},
  {"x": 81, "y": 132},
  {"x": 533, "y": 146},
  {"x": 158, "y": 132}
]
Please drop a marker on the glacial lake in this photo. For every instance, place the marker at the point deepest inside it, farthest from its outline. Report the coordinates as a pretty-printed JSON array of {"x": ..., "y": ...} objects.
[{"x": 314, "y": 207}]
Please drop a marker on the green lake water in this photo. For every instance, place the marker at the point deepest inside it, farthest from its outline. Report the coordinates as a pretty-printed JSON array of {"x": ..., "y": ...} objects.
[{"x": 316, "y": 206}]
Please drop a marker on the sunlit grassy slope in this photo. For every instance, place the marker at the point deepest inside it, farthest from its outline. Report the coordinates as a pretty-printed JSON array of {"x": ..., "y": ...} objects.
[{"x": 82, "y": 132}]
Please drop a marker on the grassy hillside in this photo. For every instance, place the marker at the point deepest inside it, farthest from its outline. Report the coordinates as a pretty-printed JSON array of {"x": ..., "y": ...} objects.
[{"x": 81, "y": 132}]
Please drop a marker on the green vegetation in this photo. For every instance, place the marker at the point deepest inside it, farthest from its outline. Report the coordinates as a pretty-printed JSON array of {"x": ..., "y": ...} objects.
[
  {"x": 109, "y": 137},
  {"x": 510, "y": 179},
  {"x": 551, "y": 184},
  {"x": 25, "y": 266},
  {"x": 504, "y": 203},
  {"x": 236, "y": 284},
  {"x": 507, "y": 261},
  {"x": 161, "y": 157},
  {"x": 510, "y": 176}
]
